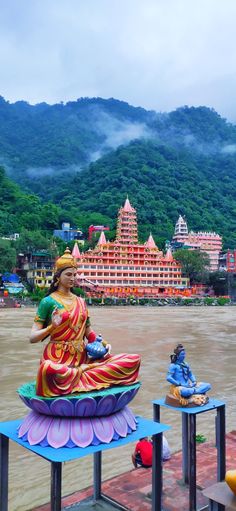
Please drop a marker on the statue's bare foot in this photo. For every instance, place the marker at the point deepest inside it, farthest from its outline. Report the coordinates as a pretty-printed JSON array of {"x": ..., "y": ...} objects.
[{"x": 199, "y": 399}]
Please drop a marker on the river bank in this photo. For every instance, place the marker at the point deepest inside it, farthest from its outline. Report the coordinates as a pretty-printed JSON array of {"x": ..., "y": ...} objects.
[
  {"x": 208, "y": 334},
  {"x": 10, "y": 302}
]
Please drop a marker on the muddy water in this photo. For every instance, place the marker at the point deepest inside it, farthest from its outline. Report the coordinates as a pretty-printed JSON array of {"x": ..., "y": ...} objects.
[{"x": 209, "y": 335}]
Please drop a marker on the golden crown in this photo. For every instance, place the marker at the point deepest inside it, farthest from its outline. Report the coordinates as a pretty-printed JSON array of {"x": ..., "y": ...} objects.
[{"x": 65, "y": 261}]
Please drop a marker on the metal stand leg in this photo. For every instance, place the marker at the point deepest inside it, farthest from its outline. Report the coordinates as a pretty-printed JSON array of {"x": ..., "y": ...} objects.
[
  {"x": 185, "y": 447},
  {"x": 220, "y": 442},
  {"x": 214, "y": 506},
  {"x": 4, "y": 461},
  {"x": 156, "y": 412},
  {"x": 192, "y": 463},
  {"x": 56, "y": 486},
  {"x": 157, "y": 472},
  {"x": 97, "y": 475}
]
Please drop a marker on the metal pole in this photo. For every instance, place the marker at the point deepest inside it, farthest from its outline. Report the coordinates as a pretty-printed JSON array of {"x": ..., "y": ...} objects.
[
  {"x": 4, "y": 462},
  {"x": 220, "y": 442},
  {"x": 156, "y": 412},
  {"x": 157, "y": 472},
  {"x": 97, "y": 475},
  {"x": 185, "y": 447},
  {"x": 192, "y": 463},
  {"x": 56, "y": 486}
]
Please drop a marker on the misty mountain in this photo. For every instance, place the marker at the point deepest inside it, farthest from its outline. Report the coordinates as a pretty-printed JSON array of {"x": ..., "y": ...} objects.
[
  {"x": 85, "y": 156},
  {"x": 38, "y": 140}
]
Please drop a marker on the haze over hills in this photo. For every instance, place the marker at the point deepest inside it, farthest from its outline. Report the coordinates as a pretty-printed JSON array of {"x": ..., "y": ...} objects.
[{"x": 85, "y": 156}]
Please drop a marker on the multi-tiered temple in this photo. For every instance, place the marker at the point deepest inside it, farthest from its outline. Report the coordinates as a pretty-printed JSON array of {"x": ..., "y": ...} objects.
[
  {"x": 126, "y": 267},
  {"x": 208, "y": 242}
]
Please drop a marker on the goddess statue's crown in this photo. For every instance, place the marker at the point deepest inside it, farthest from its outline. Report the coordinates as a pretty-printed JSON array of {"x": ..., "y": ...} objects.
[{"x": 65, "y": 261}]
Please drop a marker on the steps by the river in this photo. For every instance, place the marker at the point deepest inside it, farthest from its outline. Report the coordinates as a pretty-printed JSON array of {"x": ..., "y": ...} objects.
[{"x": 133, "y": 489}]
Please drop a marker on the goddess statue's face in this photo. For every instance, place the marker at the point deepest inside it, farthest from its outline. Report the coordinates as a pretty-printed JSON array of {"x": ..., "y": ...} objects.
[
  {"x": 67, "y": 277},
  {"x": 181, "y": 356}
]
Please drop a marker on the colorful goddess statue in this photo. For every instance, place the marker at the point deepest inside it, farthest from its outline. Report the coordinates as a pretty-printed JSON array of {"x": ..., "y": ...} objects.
[
  {"x": 66, "y": 366},
  {"x": 184, "y": 389}
]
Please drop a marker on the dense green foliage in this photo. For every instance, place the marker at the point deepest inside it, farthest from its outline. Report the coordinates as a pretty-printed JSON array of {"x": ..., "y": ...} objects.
[
  {"x": 7, "y": 256},
  {"x": 180, "y": 163},
  {"x": 194, "y": 264}
]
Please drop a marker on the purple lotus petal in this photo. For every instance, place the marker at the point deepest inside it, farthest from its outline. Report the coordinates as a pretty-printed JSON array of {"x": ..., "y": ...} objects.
[
  {"x": 38, "y": 430},
  {"x": 129, "y": 416},
  {"x": 81, "y": 432},
  {"x": 40, "y": 406},
  {"x": 26, "y": 401},
  {"x": 59, "y": 432},
  {"x": 27, "y": 422},
  {"x": 106, "y": 405},
  {"x": 123, "y": 399},
  {"x": 62, "y": 407},
  {"x": 103, "y": 429},
  {"x": 120, "y": 424},
  {"x": 85, "y": 407}
]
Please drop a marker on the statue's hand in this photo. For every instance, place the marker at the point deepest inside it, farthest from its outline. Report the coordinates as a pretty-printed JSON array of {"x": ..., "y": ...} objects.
[
  {"x": 108, "y": 347},
  {"x": 56, "y": 317}
]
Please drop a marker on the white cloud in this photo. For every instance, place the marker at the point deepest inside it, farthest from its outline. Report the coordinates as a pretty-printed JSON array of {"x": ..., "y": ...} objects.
[{"x": 159, "y": 54}]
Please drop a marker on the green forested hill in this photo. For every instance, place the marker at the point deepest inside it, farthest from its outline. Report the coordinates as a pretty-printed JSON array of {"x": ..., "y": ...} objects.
[{"x": 86, "y": 156}]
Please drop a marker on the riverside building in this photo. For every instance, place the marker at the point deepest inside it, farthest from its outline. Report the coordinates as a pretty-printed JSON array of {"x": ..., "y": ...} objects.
[
  {"x": 126, "y": 267},
  {"x": 208, "y": 242}
]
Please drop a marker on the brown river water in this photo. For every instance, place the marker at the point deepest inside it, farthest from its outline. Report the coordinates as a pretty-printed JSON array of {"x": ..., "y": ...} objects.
[{"x": 209, "y": 335}]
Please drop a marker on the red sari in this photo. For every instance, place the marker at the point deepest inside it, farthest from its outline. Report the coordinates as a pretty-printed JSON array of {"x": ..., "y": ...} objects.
[{"x": 60, "y": 369}]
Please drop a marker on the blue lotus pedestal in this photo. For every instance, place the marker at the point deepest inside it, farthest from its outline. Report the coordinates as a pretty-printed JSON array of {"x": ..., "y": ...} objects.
[{"x": 77, "y": 420}]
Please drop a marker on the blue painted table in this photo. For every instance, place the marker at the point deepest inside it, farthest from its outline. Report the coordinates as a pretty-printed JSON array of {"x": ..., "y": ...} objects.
[
  {"x": 189, "y": 441},
  {"x": 145, "y": 427}
]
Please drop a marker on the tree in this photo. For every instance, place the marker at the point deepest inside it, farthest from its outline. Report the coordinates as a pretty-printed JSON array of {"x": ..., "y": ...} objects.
[
  {"x": 31, "y": 240},
  {"x": 195, "y": 264},
  {"x": 7, "y": 256},
  {"x": 220, "y": 282}
]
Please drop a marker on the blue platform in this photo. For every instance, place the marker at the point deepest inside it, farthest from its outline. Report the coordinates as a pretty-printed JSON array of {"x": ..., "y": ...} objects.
[
  {"x": 212, "y": 404},
  {"x": 189, "y": 460},
  {"x": 145, "y": 427}
]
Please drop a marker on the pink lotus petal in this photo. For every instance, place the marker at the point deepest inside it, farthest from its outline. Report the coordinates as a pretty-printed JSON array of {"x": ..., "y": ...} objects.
[
  {"x": 130, "y": 418},
  {"x": 59, "y": 432},
  {"x": 103, "y": 429},
  {"x": 28, "y": 420},
  {"x": 120, "y": 424},
  {"x": 81, "y": 432},
  {"x": 38, "y": 430}
]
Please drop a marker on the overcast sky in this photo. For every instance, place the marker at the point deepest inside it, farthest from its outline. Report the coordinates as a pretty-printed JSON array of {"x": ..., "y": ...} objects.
[{"x": 158, "y": 54}]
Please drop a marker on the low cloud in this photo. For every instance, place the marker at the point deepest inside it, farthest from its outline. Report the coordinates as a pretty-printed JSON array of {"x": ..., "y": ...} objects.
[{"x": 116, "y": 132}]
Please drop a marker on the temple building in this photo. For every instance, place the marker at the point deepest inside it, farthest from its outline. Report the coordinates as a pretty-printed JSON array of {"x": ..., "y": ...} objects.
[
  {"x": 208, "y": 242},
  {"x": 126, "y": 267}
]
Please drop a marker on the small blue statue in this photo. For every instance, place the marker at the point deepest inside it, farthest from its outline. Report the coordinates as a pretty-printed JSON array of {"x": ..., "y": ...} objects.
[
  {"x": 184, "y": 389},
  {"x": 96, "y": 349}
]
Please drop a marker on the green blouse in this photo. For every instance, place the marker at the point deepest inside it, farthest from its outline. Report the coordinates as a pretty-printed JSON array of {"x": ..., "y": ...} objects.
[{"x": 46, "y": 308}]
